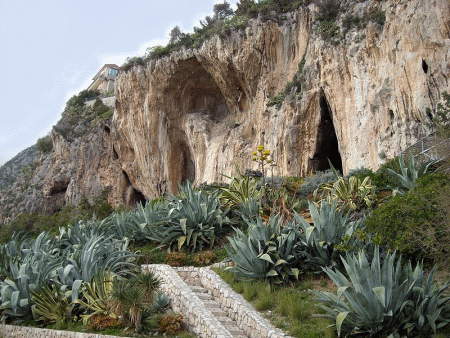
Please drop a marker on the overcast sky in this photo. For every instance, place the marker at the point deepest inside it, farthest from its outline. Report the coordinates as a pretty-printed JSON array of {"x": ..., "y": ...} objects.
[{"x": 51, "y": 49}]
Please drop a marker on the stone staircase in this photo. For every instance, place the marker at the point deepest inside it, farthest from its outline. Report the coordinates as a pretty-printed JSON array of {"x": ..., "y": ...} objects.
[
  {"x": 212, "y": 304},
  {"x": 211, "y": 309}
]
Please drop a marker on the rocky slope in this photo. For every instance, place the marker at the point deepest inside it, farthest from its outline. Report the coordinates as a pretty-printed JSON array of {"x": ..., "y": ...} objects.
[{"x": 197, "y": 113}]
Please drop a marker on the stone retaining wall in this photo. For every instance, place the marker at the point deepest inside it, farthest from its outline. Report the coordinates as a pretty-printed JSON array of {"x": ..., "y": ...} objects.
[
  {"x": 198, "y": 318},
  {"x": 13, "y": 331}
]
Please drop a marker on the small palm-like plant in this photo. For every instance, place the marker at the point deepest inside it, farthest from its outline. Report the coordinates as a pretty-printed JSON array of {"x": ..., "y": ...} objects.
[{"x": 409, "y": 174}]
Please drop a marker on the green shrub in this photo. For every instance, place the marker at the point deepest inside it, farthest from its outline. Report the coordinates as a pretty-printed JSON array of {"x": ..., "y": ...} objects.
[
  {"x": 45, "y": 144},
  {"x": 414, "y": 223},
  {"x": 377, "y": 15},
  {"x": 311, "y": 183}
]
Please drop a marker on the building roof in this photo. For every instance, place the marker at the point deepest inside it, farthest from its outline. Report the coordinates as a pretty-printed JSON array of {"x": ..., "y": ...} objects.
[{"x": 108, "y": 65}]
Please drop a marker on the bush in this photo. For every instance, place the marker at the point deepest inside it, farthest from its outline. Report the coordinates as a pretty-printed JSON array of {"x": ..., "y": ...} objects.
[
  {"x": 45, "y": 144},
  {"x": 204, "y": 258},
  {"x": 416, "y": 223},
  {"x": 311, "y": 183},
  {"x": 171, "y": 324},
  {"x": 176, "y": 258}
]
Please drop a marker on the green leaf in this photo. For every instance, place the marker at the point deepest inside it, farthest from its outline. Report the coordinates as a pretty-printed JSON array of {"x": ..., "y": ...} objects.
[{"x": 339, "y": 320}]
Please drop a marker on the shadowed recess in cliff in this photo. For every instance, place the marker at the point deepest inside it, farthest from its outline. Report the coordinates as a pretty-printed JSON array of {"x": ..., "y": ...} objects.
[
  {"x": 191, "y": 89},
  {"x": 327, "y": 147},
  {"x": 131, "y": 195},
  {"x": 182, "y": 167}
]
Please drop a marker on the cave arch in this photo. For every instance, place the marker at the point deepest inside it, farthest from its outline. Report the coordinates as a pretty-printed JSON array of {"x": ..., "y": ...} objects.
[
  {"x": 192, "y": 89},
  {"x": 327, "y": 146},
  {"x": 132, "y": 196}
]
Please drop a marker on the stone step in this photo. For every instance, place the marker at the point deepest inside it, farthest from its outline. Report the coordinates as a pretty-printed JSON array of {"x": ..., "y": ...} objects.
[{"x": 211, "y": 305}]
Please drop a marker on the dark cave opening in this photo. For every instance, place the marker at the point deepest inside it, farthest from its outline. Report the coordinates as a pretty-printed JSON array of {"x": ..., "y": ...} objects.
[
  {"x": 115, "y": 155},
  {"x": 132, "y": 196},
  {"x": 327, "y": 147},
  {"x": 424, "y": 66},
  {"x": 187, "y": 166}
]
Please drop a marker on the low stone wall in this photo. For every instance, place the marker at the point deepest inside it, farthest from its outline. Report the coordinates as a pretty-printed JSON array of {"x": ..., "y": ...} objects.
[
  {"x": 13, "y": 331},
  {"x": 110, "y": 102},
  {"x": 197, "y": 317}
]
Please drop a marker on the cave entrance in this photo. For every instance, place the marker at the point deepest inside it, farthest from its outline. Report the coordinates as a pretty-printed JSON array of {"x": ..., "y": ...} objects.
[
  {"x": 187, "y": 166},
  {"x": 132, "y": 195},
  {"x": 327, "y": 147}
]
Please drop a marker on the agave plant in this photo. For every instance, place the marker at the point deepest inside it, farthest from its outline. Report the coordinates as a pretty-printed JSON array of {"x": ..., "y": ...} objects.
[
  {"x": 196, "y": 220},
  {"x": 267, "y": 251},
  {"x": 242, "y": 192},
  {"x": 330, "y": 226},
  {"x": 27, "y": 277},
  {"x": 160, "y": 303},
  {"x": 428, "y": 309},
  {"x": 352, "y": 192},
  {"x": 101, "y": 253},
  {"x": 409, "y": 174},
  {"x": 382, "y": 298},
  {"x": 147, "y": 217}
]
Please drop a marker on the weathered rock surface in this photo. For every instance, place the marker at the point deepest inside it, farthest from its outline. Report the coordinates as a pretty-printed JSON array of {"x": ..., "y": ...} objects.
[{"x": 197, "y": 113}]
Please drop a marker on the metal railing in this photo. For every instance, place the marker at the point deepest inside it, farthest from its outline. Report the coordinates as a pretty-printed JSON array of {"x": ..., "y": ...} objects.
[{"x": 431, "y": 147}]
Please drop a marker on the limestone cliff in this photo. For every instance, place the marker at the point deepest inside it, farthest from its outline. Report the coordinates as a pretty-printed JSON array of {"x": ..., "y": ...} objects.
[{"x": 197, "y": 113}]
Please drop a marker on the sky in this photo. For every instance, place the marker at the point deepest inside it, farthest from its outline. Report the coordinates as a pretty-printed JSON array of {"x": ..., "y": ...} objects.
[{"x": 51, "y": 49}]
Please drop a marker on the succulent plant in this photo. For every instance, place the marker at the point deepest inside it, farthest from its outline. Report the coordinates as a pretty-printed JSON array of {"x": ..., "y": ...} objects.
[
  {"x": 195, "y": 221},
  {"x": 383, "y": 298},
  {"x": 330, "y": 226},
  {"x": 409, "y": 174},
  {"x": 266, "y": 251}
]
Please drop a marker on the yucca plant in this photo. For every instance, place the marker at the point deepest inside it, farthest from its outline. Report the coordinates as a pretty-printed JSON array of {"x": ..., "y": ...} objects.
[
  {"x": 382, "y": 298},
  {"x": 266, "y": 251},
  {"x": 352, "y": 193},
  {"x": 95, "y": 295},
  {"x": 409, "y": 173},
  {"x": 241, "y": 193},
  {"x": 53, "y": 304},
  {"x": 196, "y": 220},
  {"x": 330, "y": 226}
]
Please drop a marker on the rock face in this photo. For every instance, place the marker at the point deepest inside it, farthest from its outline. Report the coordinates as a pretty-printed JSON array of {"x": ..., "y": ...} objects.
[{"x": 198, "y": 113}]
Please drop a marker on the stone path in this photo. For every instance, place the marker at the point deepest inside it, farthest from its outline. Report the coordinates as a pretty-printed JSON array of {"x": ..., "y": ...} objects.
[
  {"x": 210, "y": 307},
  {"x": 212, "y": 304}
]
